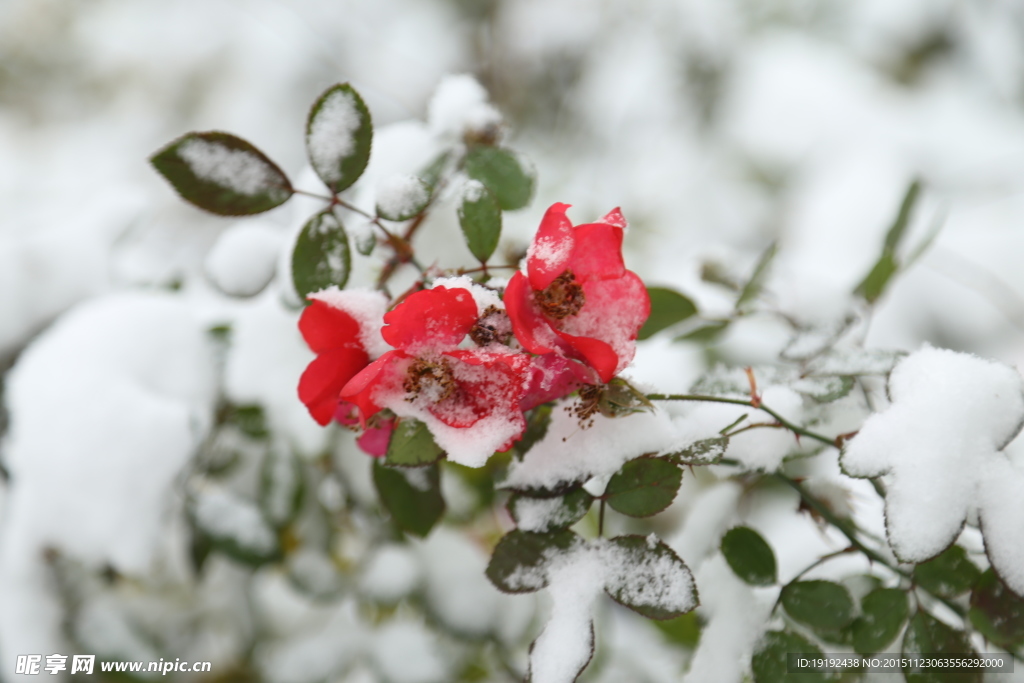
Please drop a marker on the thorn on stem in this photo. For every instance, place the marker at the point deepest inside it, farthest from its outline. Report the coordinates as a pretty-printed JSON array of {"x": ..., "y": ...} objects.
[{"x": 755, "y": 399}]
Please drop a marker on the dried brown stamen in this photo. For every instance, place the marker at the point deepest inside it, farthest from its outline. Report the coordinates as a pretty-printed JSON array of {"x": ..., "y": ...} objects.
[
  {"x": 493, "y": 326},
  {"x": 433, "y": 378},
  {"x": 562, "y": 298}
]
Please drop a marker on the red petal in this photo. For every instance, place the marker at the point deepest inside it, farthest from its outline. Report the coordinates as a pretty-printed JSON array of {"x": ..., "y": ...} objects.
[
  {"x": 497, "y": 388},
  {"x": 551, "y": 249},
  {"x": 598, "y": 254},
  {"x": 615, "y": 217},
  {"x": 438, "y": 317},
  {"x": 320, "y": 385},
  {"x": 598, "y": 354},
  {"x": 325, "y": 327},
  {"x": 528, "y": 323},
  {"x": 551, "y": 376},
  {"x": 375, "y": 440},
  {"x": 361, "y": 388}
]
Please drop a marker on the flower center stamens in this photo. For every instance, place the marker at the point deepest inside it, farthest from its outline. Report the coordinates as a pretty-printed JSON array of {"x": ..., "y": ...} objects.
[
  {"x": 433, "y": 379},
  {"x": 562, "y": 298},
  {"x": 493, "y": 326}
]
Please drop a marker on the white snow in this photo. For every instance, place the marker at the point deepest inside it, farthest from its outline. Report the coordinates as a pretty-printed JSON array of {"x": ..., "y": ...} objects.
[
  {"x": 237, "y": 170},
  {"x": 938, "y": 447},
  {"x": 390, "y": 574},
  {"x": 331, "y": 135},
  {"x": 244, "y": 258},
  {"x": 406, "y": 652},
  {"x": 105, "y": 410},
  {"x": 400, "y": 195},
  {"x": 569, "y": 452},
  {"x": 223, "y": 515},
  {"x": 460, "y": 106}
]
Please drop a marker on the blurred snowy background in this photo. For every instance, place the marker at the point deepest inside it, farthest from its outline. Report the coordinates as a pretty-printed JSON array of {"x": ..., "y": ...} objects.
[{"x": 718, "y": 126}]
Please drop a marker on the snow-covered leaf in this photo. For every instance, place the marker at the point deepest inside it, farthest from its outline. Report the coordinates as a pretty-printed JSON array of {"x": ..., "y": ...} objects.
[
  {"x": 338, "y": 136},
  {"x": 480, "y": 220},
  {"x": 412, "y": 445},
  {"x": 950, "y": 574},
  {"x": 822, "y": 605},
  {"x": 883, "y": 613},
  {"x": 222, "y": 174},
  {"x": 938, "y": 447},
  {"x": 749, "y": 556},
  {"x": 281, "y": 487},
  {"x": 668, "y": 307},
  {"x": 855, "y": 362},
  {"x": 321, "y": 257},
  {"x": 509, "y": 178},
  {"x": 643, "y": 487},
  {"x": 647, "y": 576},
  {"x": 549, "y": 513},
  {"x": 233, "y": 525},
  {"x": 703, "y": 452},
  {"x": 926, "y": 635},
  {"x": 400, "y": 197},
  {"x": 411, "y": 495},
  {"x": 521, "y": 559}
]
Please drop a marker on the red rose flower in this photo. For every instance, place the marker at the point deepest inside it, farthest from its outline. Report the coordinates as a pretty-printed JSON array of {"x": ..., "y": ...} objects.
[
  {"x": 470, "y": 398},
  {"x": 576, "y": 297},
  {"x": 334, "y": 335}
]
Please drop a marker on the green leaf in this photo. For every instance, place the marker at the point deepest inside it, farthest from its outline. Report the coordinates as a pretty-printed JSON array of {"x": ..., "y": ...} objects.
[
  {"x": 927, "y": 635},
  {"x": 508, "y": 178},
  {"x": 412, "y": 445},
  {"x": 750, "y": 556},
  {"x": 338, "y": 136},
  {"x": 520, "y": 561},
  {"x": 684, "y": 630},
  {"x": 998, "y": 613},
  {"x": 321, "y": 256},
  {"x": 547, "y": 514},
  {"x": 705, "y": 334},
  {"x": 643, "y": 487},
  {"x": 648, "y": 577},
  {"x": 703, "y": 452},
  {"x": 431, "y": 175},
  {"x": 949, "y": 574},
  {"x": 222, "y": 174},
  {"x": 824, "y": 389},
  {"x": 480, "y": 219},
  {"x": 752, "y": 288},
  {"x": 875, "y": 282},
  {"x": 668, "y": 307},
  {"x": 412, "y": 496},
  {"x": 822, "y": 605},
  {"x": 883, "y": 613},
  {"x": 281, "y": 487},
  {"x": 769, "y": 661},
  {"x": 537, "y": 423}
]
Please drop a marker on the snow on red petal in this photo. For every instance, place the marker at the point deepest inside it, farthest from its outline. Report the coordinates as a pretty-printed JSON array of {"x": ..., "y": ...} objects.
[
  {"x": 614, "y": 312},
  {"x": 615, "y": 217},
  {"x": 552, "y": 376},
  {"x": 325, "y": 327},
  {"x": 551, "y": 249},
  {"x": 598, "y": 254},
  {"x": 437, "y": 318},
  {"x": 364, "y": 387},
  {"x": 321, "y": 384},
  {"x": 488, "y": 383},
  {"x": 597, "y": 354},
  {"x": 529, "y": 325}
]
